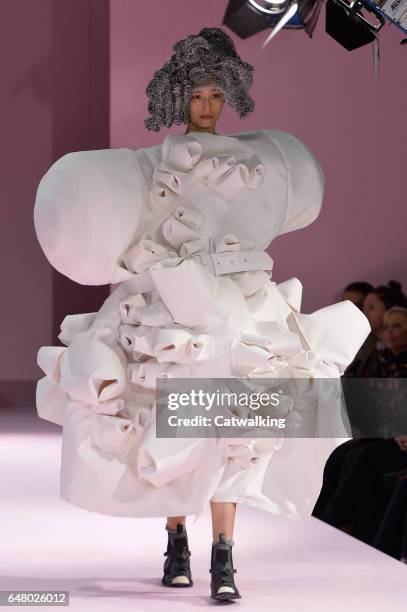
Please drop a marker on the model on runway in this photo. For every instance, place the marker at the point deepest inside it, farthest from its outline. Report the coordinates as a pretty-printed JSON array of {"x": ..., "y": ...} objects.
[{"x": 182, "y": 229}]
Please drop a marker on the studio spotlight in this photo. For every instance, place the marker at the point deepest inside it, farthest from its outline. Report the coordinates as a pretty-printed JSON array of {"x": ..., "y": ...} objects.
[
  {"x": 352, "y": 23},
  {"x": 347, "y": 25},
  {"x": 244, "y": 19},
  {"x": 247, "y": 17}
]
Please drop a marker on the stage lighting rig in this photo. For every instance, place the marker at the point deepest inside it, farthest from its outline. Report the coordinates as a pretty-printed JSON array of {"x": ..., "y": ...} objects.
[
  {"x": 248, "y": 17},
  {"x": 346, "y": 20}
]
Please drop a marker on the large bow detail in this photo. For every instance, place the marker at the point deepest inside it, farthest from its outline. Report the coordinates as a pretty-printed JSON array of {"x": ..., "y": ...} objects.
[
  {"x": 112, "y": 431},
  {"x": 244, "y": 453},
  {"x": 166, "y": 344},
  {"x": 182, "y": 165}
]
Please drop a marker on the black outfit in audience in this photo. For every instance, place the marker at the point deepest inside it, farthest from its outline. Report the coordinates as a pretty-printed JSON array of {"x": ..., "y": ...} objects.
[
  {"x": 364, "y": 363},
  {"x": 391, "y": 536},
  {"x": 353, "y": 494},
  {"x": 361, "y": 498}
]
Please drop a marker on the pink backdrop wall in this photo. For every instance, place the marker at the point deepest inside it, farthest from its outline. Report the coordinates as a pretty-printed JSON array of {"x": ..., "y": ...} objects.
[
  {"x": 320, "y": 92},
  {"x": 54, "y": 90},
  {"x": 26, "y": 128}
]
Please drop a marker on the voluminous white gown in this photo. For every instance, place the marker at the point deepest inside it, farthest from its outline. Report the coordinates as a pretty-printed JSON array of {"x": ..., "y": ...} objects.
[{"x": 181, "y": 229}]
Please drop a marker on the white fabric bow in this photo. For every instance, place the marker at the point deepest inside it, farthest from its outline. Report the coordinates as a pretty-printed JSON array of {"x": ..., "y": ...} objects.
[
  {"x": 144, "y": 254},
  {"x": 113, "y": 433}
]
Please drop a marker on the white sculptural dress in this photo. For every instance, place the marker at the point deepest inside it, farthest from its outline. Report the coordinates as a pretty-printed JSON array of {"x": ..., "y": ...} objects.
[{"x": 182, "y": 229}]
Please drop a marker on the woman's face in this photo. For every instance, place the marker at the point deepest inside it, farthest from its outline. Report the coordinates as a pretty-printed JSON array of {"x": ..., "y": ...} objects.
[
  {"x": 395, "y": 332},
  {"x": 205, "y": 108},
  {"x": 374, "y": 309}
]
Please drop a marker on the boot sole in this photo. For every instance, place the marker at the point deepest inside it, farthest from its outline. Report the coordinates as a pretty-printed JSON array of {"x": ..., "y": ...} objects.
[
  {"x": 226, "y": 596},
  {"x": 177, "y": 586}
]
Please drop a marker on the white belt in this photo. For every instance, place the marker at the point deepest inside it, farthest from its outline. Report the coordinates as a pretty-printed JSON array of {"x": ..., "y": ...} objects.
[{"x": 227, "y": 262}]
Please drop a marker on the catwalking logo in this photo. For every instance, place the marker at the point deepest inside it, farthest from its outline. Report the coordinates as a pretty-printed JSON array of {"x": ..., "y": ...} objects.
[
  {"x": 207, "y": 400},
  {"x": 222, "y": 421}
]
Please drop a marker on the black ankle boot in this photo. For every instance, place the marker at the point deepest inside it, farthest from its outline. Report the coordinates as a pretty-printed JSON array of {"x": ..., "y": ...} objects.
[
  {"x": 177, "y": 572},
  {"x": 222, "y": 572}
]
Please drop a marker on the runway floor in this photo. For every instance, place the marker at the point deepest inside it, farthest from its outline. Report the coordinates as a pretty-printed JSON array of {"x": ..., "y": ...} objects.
[{"x": 108, "y": 563}]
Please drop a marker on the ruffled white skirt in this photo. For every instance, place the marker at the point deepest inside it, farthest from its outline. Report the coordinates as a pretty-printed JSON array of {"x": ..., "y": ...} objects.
[{"x": 177, "y": 320}]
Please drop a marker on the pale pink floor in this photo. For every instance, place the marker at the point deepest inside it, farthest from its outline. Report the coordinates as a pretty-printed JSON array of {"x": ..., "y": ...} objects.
[{"x": 109, "y": 563}]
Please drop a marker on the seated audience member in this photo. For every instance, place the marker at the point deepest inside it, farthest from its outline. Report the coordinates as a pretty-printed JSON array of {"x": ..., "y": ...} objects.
[
  {"x": 394, "y": 358},
  {"x": 353, "y": 496},
  {"x": 374, "y": 306},
  {"x": 361, "y": 497},
  {"x": 374, "y": 404},
  {"x": 356, "y": 293}
]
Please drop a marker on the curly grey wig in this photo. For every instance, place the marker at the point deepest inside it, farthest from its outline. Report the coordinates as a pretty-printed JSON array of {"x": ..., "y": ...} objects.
[{"x": 208, "y": 57}]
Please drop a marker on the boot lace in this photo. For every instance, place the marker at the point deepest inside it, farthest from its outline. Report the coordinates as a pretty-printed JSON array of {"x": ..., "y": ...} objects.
[
  {"x": 179, "y": 561},
  {"x": 222, "y": 574}
]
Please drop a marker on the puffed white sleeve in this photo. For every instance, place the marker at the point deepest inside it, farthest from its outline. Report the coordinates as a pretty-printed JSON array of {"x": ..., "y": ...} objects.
[
  {"x": 304, "y": 180},
  {"x": 88, "y": 208}
]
